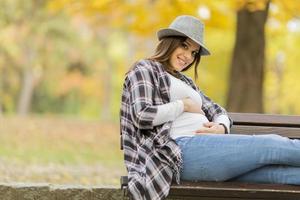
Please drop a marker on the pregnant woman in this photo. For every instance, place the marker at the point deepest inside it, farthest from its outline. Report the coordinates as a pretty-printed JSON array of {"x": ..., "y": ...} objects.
[{"x": 171, "y": 130}]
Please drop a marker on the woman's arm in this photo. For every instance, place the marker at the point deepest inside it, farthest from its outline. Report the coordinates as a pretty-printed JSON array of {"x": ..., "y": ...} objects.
[
  {"x": 215, "y": 112},
  {"x": 141, "y": 83},
  {"x": 170, "y": 111},
  {"x": 223, "y": 119},
  {"x": 141, "y": 90}
]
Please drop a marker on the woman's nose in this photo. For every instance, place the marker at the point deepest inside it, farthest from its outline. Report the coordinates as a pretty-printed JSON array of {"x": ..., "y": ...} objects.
[{"x": 188, "y": 55}]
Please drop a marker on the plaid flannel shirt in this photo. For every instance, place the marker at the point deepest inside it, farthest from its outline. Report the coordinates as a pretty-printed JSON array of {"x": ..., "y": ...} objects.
[{"x": 152, "y": 158}]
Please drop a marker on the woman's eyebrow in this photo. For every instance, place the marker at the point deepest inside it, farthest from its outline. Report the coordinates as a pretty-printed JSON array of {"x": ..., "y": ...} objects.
[{"x": 189, "y": 44}]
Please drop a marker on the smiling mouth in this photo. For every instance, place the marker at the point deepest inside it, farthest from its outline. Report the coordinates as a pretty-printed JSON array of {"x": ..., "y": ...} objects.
[{"x": 181, "y": 62}]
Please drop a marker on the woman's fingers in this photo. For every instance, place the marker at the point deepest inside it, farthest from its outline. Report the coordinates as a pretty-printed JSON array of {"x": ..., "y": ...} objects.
[
  {"x": 211, "y": 127},
  {"x": 204, "y": 130},
  {"x": 191, "y": 106},
  {"x": 209, "y": 124}
]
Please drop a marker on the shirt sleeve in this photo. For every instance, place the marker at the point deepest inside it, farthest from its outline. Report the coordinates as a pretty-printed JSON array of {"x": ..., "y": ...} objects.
[
  {"x": 211, "y": 108},
  {"x": 140, "y": 84},
  {"x": 224, "y": 120},
  {"x": 168, "y": 112}
]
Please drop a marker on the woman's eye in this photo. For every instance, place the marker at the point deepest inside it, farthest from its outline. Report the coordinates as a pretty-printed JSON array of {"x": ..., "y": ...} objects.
[
  {"x": 184, "y": 46},
  {"x": 194, "y": 53}
]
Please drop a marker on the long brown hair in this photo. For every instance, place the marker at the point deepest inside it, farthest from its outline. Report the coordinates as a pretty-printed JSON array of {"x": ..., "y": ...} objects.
[{"x": 166, "y": 47}]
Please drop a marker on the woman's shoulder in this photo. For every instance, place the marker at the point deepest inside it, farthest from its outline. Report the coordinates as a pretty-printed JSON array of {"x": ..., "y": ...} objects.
[{"x": 146, "y": 65}]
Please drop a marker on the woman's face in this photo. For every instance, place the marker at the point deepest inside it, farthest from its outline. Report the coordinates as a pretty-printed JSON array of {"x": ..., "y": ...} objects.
[{"x": 184, "y": 55}]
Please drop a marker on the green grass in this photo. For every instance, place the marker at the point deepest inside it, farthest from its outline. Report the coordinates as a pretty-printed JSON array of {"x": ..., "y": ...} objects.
[{"x": 64, "y": 143}]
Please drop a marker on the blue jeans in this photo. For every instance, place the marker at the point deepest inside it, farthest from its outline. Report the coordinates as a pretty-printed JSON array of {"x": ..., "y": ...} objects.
[{"x": 246, "y": 158}]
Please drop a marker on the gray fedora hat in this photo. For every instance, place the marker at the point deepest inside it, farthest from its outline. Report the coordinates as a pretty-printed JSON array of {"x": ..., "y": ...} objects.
[{"x": 187, "y": 26}]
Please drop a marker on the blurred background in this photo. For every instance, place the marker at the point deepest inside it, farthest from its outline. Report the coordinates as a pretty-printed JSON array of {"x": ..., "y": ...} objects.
[{"x": 62, "y": 66}]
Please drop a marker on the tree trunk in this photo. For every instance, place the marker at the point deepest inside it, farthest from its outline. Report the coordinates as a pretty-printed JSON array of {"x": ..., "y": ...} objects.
[
  {"x": 28, "y": 82},
  {"x": 106, "y": 108},
  {"x": 1, "y": 90},
  {"x": 26, "y": 92},
  {"x": 107, "y": 79},
  {"x": 1, "y": 109},
  {"x": 247, "y": 68}
]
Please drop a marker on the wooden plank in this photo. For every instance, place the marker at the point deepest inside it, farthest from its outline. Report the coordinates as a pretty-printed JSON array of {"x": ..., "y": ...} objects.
[
  {"x": 212, "y": 198},
  {"x": 235, "y": 190},
  {"x": 224, "y": 190},
  {"x": 259, "y": 130},
  {"x": 265, "y": 119},
  {"x": 227, "y": 194}
]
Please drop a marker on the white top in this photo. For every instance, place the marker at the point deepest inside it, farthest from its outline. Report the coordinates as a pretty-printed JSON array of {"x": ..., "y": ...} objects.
[{"x": 184, "y": 123}]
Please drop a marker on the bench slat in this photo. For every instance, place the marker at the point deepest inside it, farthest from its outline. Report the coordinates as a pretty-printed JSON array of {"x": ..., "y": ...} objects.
[
  {"x": 235, "y": 190},
  {"x": 230, "y": 190},
  {"x": 265, "y": 119},
  {"x": 258, "y": 130},
  {"x": 218, "y": 198}
]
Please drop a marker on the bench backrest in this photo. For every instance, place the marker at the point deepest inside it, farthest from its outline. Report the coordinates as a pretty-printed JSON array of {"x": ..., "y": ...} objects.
[{"x": 252, "y": 123}]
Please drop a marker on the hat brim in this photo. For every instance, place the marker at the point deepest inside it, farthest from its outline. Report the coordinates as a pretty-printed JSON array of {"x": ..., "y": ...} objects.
[{"x": 171, "y": 32}]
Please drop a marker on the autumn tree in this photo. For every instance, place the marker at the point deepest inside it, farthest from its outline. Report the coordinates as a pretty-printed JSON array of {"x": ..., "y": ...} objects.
[
  {"x": 140, "y": 18},
  {"x": 144, "y": 17},
  {"x": 245, "y": 92},
  {"x": 31, "y": 40},
  {"x": 247, "y": 72}
]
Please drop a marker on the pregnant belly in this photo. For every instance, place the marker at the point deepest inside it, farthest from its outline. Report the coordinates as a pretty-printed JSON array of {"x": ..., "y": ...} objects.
[{"x": 187, "y": 123}]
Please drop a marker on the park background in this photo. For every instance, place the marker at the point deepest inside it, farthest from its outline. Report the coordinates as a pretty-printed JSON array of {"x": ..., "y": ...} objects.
[{"x": 62, "y": 66}]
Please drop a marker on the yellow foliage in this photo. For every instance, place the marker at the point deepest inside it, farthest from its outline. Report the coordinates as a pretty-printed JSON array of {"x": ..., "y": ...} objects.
[
  {"x": 252, "y": 5},
  {"x": 56, "y": 5},
  {"x": 70, "y": 82},
  {"x": 285, "y": 10},
  {"x": 75, "y": 81},
  {"x": 145, "y": 17}
]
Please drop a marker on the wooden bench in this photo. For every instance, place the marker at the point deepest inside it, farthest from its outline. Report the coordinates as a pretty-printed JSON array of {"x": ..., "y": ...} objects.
[{"x": 244, "y": 123}]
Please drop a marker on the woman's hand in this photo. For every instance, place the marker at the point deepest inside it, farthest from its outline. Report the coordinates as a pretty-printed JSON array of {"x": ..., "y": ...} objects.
[
  {"x": 211, "y": 127},
  {"x": 191, "y": 106}
]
